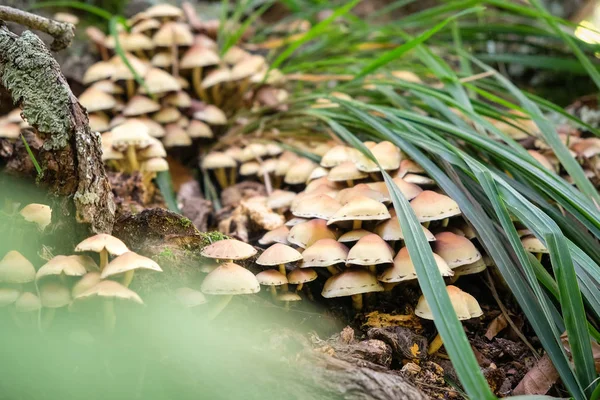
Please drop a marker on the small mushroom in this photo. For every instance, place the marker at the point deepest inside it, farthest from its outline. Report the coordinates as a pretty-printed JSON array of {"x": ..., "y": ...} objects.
[
  {"x": 370, "y": 251},
  {"x": 325, "y": 253},
  {"x": 67, "y": 265},
  {"x": 279, "y": 254},
  {"x": 455, "y": 250},
  {"x": 534, "y": 245},
  {"x": 219, "y": 162},
  {"x": 316, "y": 206},
  {"x": 15, "y": 268},
  {"x": 277, "y": 235},
  {"x": 288, "y": 297},
  {"x": 189, "y": 298},
  {"x": 353, "y": 236},
  {"x": 126, "y": 264},
  {"x": 404, "y": 269},
  {"x": 272, "y": 278},
  {"x": 346, "y": 172},
  {"x": 352, "y": 282},
  {"x": 304, "y": 234},
  {"x": 300, "y": 276},
  {"x": 228, "y": 249},
  {"x": 104, "y": 244},
  {"x": 40, "y": 214},
  {"x": 431, "y": 206},
  {"x": 53, "y": 295},
  {"x": 358, "y": 209}
]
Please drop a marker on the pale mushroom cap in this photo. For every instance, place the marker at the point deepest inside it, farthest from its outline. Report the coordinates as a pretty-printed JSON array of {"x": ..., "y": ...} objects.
[
  {"x": 159, "y": 81},
  {"x": 268, "y": 167},
  {"x": 189, "y": 297},
  {"x": 98, "y": 71},
  {"x": 86, "y": 282},
  {"x": 299, "y": 171},
  {"x": 280, "y": 199},
  {"x": 465, "y": 305},
  {"x": 96, "y": 100},
  {"x": 306, "y": 233},
  {"x": 385, "y": 152},
  {"x": 247, "y": 67},
  {"x": 68, "y": 265},
  {"x": 360, "y": 208},
  {"x": 289, "y": 296},
  {"x": 198, "y": 129},
  {"x": 131, "y": 133},
  {"x": 127, "y": 262},
  {"x": 249, "y": 168},
  {"x": 145, "y": 25},
  {"x": 349, "y": 282},
  {"x": 418, "y": 179},
  {"x": 234, "y": 55},
  {"x": 345, "y": 195},
  {"x": 173, "y": 33},
  {"x": 103, "y": 241},
  {"x": 455, "y": 250},
  {"x": 473, "y": 268},
  {"x": 211, "y": 114},
  {"x": 295, "y": 221},
  {"x": 15, "y": 268},
  {"x": 167, "y": 115},
  {"x": 534, "y": 245},
  {"x": 156, "y": 164},
  {"x": 253, "y": 151},
  {"x": 163, "y": 10},
  {"x": 317, "y": 173},
  {"x": 10, "y": 131},
  {"x": 353, "y": 236},
  {"x": 8, "y": 295},
  {"x": 40, "y": 214},
  {"x": 302, "y": 275},
  {"x": 408, "y": 76},
  {"x": 122, "y": 71},
  {"x": 230, "y": 279},
  {"x": 108, "y": 86},
  {"x": 335, "y": 156},
  {"x": 176, "y": 136},
  {"x": 139, "y": 105},
  {"x": 216, "y": 76},
  {"x": 228, "y": 249},
  {"x": 408, "y": 190},
  {"x": 344, "y": 172},
  {"x": 156, "y": 149},
  {"x": 432, "y": 206},
  {"x": 217, "y": 159},
  {"x": 324, "y": 252},
  {"x": 54, "y": 295},
  {"x": 28, "y": 302},
  {"x": 199, "y": 56},
  {"x": 111, "y": 290},
  {"x": 271, "y": 277},
  {"x": 98, "y": 123},
  {"x": 391, "y": 230},
  {"x": 277, "y": 235},
  {"x": 279, "y": 254},
  {"x": 316, "y": 206},
  {"x": 404, "y": 269},
  {"x": 370, "y": 250}
]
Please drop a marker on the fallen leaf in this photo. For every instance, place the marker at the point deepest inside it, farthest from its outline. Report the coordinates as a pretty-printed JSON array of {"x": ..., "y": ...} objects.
[
  {"x": 496, "y": 326},
  {"x": 376, "y": 319},
  {"x": 539, "y": 379}
]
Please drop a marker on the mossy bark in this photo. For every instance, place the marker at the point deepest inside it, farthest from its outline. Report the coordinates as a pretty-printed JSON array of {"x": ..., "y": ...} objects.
[{"x": 71, "y": 156}]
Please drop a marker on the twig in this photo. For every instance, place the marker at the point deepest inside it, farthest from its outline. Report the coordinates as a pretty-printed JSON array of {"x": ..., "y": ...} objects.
[{"x": 62, "y": 32}]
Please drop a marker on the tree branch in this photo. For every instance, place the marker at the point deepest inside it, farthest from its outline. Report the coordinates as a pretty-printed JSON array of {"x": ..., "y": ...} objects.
[{"x": 62, "y": 32}]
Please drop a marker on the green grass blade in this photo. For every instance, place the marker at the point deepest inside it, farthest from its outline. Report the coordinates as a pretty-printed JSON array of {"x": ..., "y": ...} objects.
[
  {"x": 74, "y": 4},
  {"x": 165, "y": 185},
  {"x": 34, "y": 161}
]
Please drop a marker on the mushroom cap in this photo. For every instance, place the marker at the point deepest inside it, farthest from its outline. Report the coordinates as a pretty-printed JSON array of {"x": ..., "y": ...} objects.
[
  {"x": 316, "y": 206},
  {"x": 28, "y": 302},
  {"x": 404, "y": 269},
  {"x": 40, "y": 214},
  {"x": 234, "y": 55},
  {"x": 86, "y": 282},
  {"x": 473, "y": 268},
  {"x": 345, "y": 195},
  {"x": 391, "y": 229},
  {"x": 301, "y": 275},
  {"x": 539, "y": 157},
  {"x": 228, "y": 249},
  {"x": 534, "y": 245},
  {"x": 306, "y": 233},
  {"x": 271, "y": 277},
  {"x": 277, "y": 235},
  {"x": 216, "y": 159},
  {"x": 279, "y": 254},
  {"x": 418, "y": 179},
  {"x": 360, "y": 208},
  {"x": 299, "y": 171},
  {"x": 353, "y": 236},
  {"x": 295, "y": 221},
  {"x": 156, "y": 164},
  {"x": 465, "y": 305},
  {"x": 163, "y": 10},
  {"x": 289, "y": 296},
  {"x": 198, "y": 129},
  {"x": 54, "y": 294},
  {"x": 108, "y": 86},
  {"x": 280, "y": 199},
  {"x": 131, "y": 133},
  {"x": 199, "y": 56},
  {"x": 370, "y": 250},
  {"x": 335, "y": 156},
  {"x": 159, "y": 81},
  {"x": 230, "y": 279},
  {"x": 324, "y": 252},
  {"x": 211, "y": 114},
  {"x": 10, "y": 131},
  {"x": 173, "y": 33},
  {"x": 110, "y": 290},
  {"x": 344, "y": 172},
  {"x": 249, "y": 168},
  {"x": 122, "y": 71},
  {"x": 317, "y": 173},
  {"x": 139, "y": 105},
  {"x": 189, "y": 298},
  {"x": 77, "y": 265},
  {"x": 15, "y": 268},
  {"x": 176, "y": 136},
  {"x": 128, "y": 262},
  {"x": 98, "y": 71},
  {"x": 455, "y": 250},
  {"x": 349, "y": 282},
  {"x": 432, "y": 206},
  {"x": 96, "y": 100},
  {"x": 408, "y": 190},
  {"x": 216, "y": 76},
  {"x": 386, "y": 153},
  {"x": 145, "y": 25},
  {"x": 155, "y": 150},
  {"x": 167, "y": 115},
  {"x": 103, "y": 241},
  {"x": 8, "y": 295},
  {"x": 247, "y": 67},
  {"x": 98, "y": 122}
]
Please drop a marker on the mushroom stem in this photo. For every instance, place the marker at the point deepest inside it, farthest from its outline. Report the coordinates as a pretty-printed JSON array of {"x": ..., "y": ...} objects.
[
  {"x": 216, "y": 95},
  {"x": 273, "y": 291},
  {"x": 453, "y": 278},
  {"x": 110, "y": 318},
  {"x": 132, "y": 159},
  {"x": 445, "y": 222},
  {"x": 435, "y": 344},
  {"x": 284, "y": 287},
  {"x": 356, "y": 225},
  {"x": 426, "y": 224},
  {"x": 357, "y": 302},
  {"x": 197, "y": 82},
  {"x": 243, "y": 87},
  {"x": 299, "y": 287},
  {"x": 333, "y": 270},
  {"x": 232, "y": 176},
  {"x": 277, "y": 182},
  {"x": 47, "y": 318},
  {"x": 103, "y": 259},
  {"x": 220, "y": 306},
  {"x": 128, "y": 277},
  {"x": 373, "y": 269},
  {"x": 308, "y": 293},
  {"x": 389, "y": 286},
  {"x": 103, "y": 52},
  {"x": 221, "y": 177},
  {"x": 539, "y": 256},
  {"x": 130, "y": 88},
  {"x": 141, "y": 55},
  {"x": 350, "y": 182},
  {"x": 287, "y": 306}
]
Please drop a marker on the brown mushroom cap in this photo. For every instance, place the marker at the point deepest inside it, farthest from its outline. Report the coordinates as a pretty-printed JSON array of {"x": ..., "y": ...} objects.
[
  {"x": 299, "y": 171},
  {"x": 336, "y": 156},
  {"x": 465, "y": 305},
  {"x": 404, "y": 269},
  {"x": 306, "y": 233},
  {"x": 131, "y": 133},
  {"x": 8, "y": 295},
  {"x": 271, "y": 277},
  {"x": 408, "y": 190},
  {"x": 110, "y": 290},
  {"x": 432, "y": 206},
  {"x": 391, "y": 229},
  {"x": 418, "y": 179},
  {"x": 127, "y": 262},
  {"x": 280, "y": 199},
  {"x": 370, "y": 250},
  {"x": 28, "y": 302},
  {"x": 289, "y": 296},
  {"x": 344, "y": 172},
  {"x": 163, "y": 10},
  {"x": 173, "y": 33},
  {"x": 228, "y": 249},
  {"x": 455, "y": 250},
  {"x": 360, "y": 208},
  {"x": 211, "y": 114},
  {"x": 301, "y": 275},
  {"x": 279, "y": 254},
  {"x": 198, "y": 129},
  {"x": 473, "y": 268},
  {"x": 277, "y": 235},
  {"x": 385, "y": 152},
  {"x": 349, "y": 282},
  {"x": 103, "y": 241},
  {"x": 353, "y": 236},
  {"x": 139, "y": 105},
  {"x": 316, "y": 206},
  {"x": 534, "y": 245},
  {"x": 68, "y": 265},
  {"x": 189, "y": 298},
  {"x": 324, "y": 253},
  {"x": 54, "y": 294},
  {"x": 96, "y": 100},
  {"x": 215, "y": 159},
  {"x": 541, "y": 159},
  {"x": 86, "y": 282},
  {"x": 98, "y": 71},
  {"x": 159, "y": 81},
  {"x": 15, "y": 268},
  {"x": 230, "y": 279},
  {"x": 40, "y": 214},
  {"x": 362, "y": 189}
]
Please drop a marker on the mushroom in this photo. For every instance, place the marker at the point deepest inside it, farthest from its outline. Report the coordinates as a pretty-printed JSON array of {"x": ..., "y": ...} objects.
[
  {"x": 390, "y": 230},
  {"x": 140, "y": 105},
  {"x": 280, "y": 200},
  {"x": 386, "y": 153},
  {"x": 370, "y": 251},
  {"x": 228, "y": 249},
  {"x": 299, "y": 171},
  {"x": 316, "y": 206},
  {"x": 8, "y": 295},
  {"x": 218, "y": 162},
  {"x": 40, "y": 214},
  {"x": 455, "y": 250},
  {"x": 86, "y": 282},
  {"x": 196, "y": 58},
  {"x": 465, "y": 306},
  {"x": 351, "y": 282},
  {"x": 277, "y": 235},
  {"x": 534, "y": 245},
  {"x": 67, "y": 266},
  {"x": 403, "y": 269},
  {"x": 288, "y": 297},
  {"x": 132, "y": 134},
  {"x": 28, "y": 304},
  {"x": 53, "y": 295},
  {"x": 189, "y": 298},
  {"x": 408, "y": 190},
  {"x": 104, "y": 244},
  {"x": 304, "y": 234},
  {"x": 418, "y": 180},
  {"x": 211, "y": 114},
  {"x": 353, "y": 236},
  {"x": 431, "y": 206},
  {"x": 15, "y": 268},
  {"x": 336, "y": 155},
  {"x": 126, "y": 264},
  {"x": 346, "y": 172},
  {"x": 151, "y": 167},
  {"x": 279, "y": 254},
  {"x": 345, "y": 195},
  {"x": 226, "y": 281},
  {"x": 359, "y": 209},
  {"x": 325, "y": 253},
  {"x": 272, "y": 278},
  {"x": 96, "y": 100},
  {"x": 299, "y": 276}
]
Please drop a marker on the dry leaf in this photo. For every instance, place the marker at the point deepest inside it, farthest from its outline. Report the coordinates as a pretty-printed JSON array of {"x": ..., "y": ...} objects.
[
  {"x": 496, "y": 326},
  {"x": 539, "y": 379}
]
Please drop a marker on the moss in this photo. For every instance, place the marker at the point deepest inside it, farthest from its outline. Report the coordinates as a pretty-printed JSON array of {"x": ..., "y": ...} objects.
[
  {"x": 29, "y": 74},
  {"x": 211, "y": 237},
  {"x": 185, "y": 222}
]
